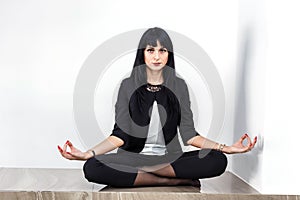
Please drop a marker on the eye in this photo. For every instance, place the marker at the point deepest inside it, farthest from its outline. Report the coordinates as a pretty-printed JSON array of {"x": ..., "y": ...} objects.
[
  {"x": 150, "y": 50},
  {"x": 163, "y": 50}
]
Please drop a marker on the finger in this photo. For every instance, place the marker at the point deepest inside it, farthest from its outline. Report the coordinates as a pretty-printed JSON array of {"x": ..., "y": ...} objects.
[
  {"x": 254, "y": 142},
  {"x": 65, "y": 147},
  {"x": 62, "y": 152},
  {"x": 60, "y": 149},
  {"x": 69, "y": 156},
  {"x": 242, "y": 140},
  {"x": 249, "y": 143},
  {"x": 243, "y": 137},
  {"x": 70, "y": 145}
]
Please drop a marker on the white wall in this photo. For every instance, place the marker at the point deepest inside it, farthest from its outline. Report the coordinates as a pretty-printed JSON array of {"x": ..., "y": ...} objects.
[
  {"x": 267, "y": 98},
  {"x": 250, "y": 91},
  {"x": 44, "y": 44},
  {"x": 281, "y": 152}
]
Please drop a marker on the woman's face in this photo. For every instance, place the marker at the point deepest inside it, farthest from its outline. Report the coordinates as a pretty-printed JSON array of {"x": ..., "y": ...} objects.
[{"x": 156, "y": 57}]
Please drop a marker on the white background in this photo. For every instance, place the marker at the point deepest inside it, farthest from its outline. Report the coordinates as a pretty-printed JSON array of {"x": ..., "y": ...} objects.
[{"x": 254, "y": 45}]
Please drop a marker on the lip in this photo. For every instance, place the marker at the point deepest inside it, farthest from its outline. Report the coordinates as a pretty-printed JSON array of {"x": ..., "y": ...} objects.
[{"x": 156, "y": 64}]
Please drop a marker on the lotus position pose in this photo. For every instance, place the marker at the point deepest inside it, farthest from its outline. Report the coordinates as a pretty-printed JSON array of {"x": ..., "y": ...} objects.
[{"x": 152, "y": 115}]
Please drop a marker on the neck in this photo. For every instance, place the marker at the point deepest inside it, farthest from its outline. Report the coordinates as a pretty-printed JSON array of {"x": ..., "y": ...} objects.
[{"x": 154, "y": 77}]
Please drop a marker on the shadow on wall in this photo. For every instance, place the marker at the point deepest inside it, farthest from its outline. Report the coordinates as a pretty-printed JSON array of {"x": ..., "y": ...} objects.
[{"x": 244, "y": 165}]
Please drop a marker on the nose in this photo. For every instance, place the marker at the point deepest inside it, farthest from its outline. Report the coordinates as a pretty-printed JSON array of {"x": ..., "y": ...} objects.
[{"x": 156, "y": 55}]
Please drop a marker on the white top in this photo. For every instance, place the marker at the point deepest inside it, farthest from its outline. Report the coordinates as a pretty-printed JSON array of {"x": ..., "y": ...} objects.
[{"x": 155, "y": 142}]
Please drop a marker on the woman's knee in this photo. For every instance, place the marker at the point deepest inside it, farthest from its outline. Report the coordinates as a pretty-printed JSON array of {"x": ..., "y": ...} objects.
[
  {"x": 90, "y": 169},
  {"x": 98, "y": 172},
  {"x": 222, "y": 163}
]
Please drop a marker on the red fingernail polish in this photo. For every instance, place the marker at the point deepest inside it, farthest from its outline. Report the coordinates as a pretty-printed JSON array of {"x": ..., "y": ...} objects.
[
  {"x": 59, "y": 148},
  {"x": 246, "y": 134},
  {"x": 67, "y": 142}
]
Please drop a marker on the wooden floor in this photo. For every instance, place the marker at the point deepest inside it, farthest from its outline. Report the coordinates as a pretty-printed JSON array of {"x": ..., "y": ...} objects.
[{"x": 70, "y": 184}]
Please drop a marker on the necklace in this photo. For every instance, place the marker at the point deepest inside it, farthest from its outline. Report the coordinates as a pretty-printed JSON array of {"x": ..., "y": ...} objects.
[{"x": 153, "y": 88}]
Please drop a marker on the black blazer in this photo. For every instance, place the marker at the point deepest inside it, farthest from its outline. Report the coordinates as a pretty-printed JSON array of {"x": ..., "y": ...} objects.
[{"x": 132, "y": 115}]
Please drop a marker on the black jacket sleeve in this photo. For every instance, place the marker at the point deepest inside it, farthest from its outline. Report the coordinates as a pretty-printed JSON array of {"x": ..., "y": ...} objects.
[
  {"x": 121, "y": 115},
  {"x": 186, "y": 126}
]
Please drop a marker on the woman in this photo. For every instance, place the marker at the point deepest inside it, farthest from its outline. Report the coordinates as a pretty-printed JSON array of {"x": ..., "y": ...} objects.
[{"x": 149, "y": 151}]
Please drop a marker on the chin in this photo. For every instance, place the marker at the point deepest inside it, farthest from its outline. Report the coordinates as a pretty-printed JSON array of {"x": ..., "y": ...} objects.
[{"x": 155, "y": 68}]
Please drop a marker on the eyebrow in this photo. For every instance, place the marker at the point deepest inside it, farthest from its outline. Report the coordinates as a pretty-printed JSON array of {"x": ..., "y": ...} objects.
[{"x": 149, "y": 46}]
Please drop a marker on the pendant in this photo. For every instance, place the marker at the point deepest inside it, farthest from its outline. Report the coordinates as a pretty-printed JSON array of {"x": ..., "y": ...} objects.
[{"x": 153, "y": 88}]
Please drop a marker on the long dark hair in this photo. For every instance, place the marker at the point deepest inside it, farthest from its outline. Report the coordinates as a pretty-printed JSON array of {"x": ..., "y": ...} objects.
[{"x": 150, "y": 37}]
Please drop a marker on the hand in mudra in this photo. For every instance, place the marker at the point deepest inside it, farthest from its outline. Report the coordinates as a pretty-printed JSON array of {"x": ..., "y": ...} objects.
[
  {"x": 74, "y": 154},
  {"x": 239, "y": 147}
]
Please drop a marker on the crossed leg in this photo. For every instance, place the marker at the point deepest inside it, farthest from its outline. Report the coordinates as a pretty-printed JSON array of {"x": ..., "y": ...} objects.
[
  {"x": 186, "y": 170},
  {"x": 163, "y": 174}
]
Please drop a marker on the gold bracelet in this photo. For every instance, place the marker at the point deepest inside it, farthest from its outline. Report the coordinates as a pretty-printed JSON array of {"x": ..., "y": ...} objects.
[{"x": 221, "y": 147}]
